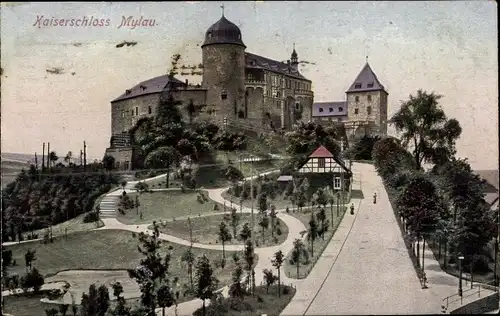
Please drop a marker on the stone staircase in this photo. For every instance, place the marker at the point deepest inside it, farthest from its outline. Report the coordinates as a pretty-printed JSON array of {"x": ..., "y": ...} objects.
[{"x": 108, "y": 206}]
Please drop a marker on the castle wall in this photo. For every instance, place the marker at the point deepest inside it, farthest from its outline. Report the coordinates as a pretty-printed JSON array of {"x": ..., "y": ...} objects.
[
  {"x": 224, "y": 71},
  {"x": 123, "y": 113},
  {"x": 198, "y": 96}
]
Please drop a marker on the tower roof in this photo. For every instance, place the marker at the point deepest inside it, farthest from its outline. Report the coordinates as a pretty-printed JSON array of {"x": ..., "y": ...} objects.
[
  {"x": 223, "y": 32},
  {"x": 366, "y": 81}
]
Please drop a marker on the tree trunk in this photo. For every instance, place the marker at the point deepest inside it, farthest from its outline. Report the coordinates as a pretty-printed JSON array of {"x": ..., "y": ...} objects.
[
  {"x": 190, "y": 272},
  {"x": 323, "y": 225},
  {"x": 439, "y": 251},
  {"x": 423, "y": 255},
  {"x": 204, "y": 310},
  {"x": 279, "y": 282},
  {"x": 445, "y": 254},
  {"x": 298, "y": 264},
  {"x": 418, "y": 250},
  {"x": 168, "y": 185},
  {"x": 263, "y": 241},
  {"x": 312, "y": 247},
  {"x": 163, "y": 311}
]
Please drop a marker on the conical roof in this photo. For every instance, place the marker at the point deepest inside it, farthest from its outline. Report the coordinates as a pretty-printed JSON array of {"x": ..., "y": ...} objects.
[
  {"x": 223, "y": 32},
  {"x": 366, "y": 81}
]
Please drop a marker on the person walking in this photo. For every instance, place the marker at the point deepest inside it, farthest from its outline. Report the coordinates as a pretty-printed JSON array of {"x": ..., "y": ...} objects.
[
  {"x": 352, "y": 208},
  {"x": 374, "y": 198}
]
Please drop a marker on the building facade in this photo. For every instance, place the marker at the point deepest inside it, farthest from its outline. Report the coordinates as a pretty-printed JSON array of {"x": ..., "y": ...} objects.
[
  {"x": 364, "y": 112},
  {"x": 243, "y": 88}
]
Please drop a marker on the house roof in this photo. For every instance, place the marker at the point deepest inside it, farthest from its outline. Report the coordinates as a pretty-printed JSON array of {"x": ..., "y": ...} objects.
[
  {"x": 491, "y": 177},
  {"x": 325, "y": 109},
  {"x": 491, "y": 198},
  {"x": 260, "y": 62},
  {"x": 321, "y": 152},
  {"x": 153, "y": 85},
  {"x": 366, "y": 81}
]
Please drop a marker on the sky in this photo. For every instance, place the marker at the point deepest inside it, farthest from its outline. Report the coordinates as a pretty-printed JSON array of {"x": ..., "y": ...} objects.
[{"x": 445, "y": 47}]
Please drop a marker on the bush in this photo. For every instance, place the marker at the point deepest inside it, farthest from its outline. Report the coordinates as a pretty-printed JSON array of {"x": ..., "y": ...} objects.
[
  {"x": 286, "y": 290},
  {"x": 278, "y": 231},
  {"x": 260, "y": 299},
  {"x": 32, "y": 279},
  {"x": 91, "y": 217}
]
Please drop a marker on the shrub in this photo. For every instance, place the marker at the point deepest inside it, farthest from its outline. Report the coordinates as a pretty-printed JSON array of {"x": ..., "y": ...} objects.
[
  {"x": 32, "y": 279},
  {"x": 91, "y": 217},
  {"x": 260, "y": 299},
  {"x": 278, "y": 231},
  {"x": 286, "y": 290}
]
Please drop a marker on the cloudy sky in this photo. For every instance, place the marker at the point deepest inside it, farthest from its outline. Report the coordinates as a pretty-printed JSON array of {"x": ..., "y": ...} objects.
[{"x": 446, "y": 47}]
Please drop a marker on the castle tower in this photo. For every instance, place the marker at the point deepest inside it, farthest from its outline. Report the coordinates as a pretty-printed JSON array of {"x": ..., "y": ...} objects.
[
  {"x": 294, "y": 59},
  {"x": 366, "y": 106},
  {"x": 223, "y": 54}
]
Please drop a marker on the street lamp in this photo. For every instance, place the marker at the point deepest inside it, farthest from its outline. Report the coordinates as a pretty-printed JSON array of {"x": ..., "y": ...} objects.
[{"x": 460, "y": 258}]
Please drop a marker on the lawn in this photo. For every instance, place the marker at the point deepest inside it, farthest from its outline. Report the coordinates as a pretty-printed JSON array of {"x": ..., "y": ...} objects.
[
  {"x": 68, "y": 227},
  {"x": 319, "y": 244},
  {"x": 107, "y": 250},
  {"x": 263, "y": 303},
  {"x": 205, "y": 229},
  {"x": 166, "y": 205}
]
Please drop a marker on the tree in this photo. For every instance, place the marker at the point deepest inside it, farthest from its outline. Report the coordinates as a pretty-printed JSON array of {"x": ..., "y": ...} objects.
[
  {"x": 273, "y": 216},
  {"x": 63, "y": 309},
  {"x": 32, "y": 279},
  {"x": 163, "y": 157},
  {"x": 68, "y": 157},
  {"x": 236, "y": 289},
  {"x": 234, "y": 221},
  {"x": 108, "y": 162},
  {"x": 102, "y": 300},
  {"x": 312, "y": 231},
  {"x": 29, "y": 257},
  {"x": 89, "y": 302},
  {"x": 191, "y": 110},
  {"x": 51, "y": 312},
  {"x": 297, "y": 252},
  {"x": 152, "y": 271},
  {"x": 321, "y": 197},
  {"x": 277, "y": 262},
  {"x": 362, "y": 149},
  {"x": 321, "y": 216},
  {"x": 189, "y": 259},
  {"x": 166, "y": 297},
  {"x": 249, "y": 259},
  {"x": 224, "y": 237},
  {"x": 245, "y": 233},
  {"x": 262, "y": 202},
  {"x": 53, "y": 158},
  {"x": 269, "y": 278},
  {"x": 425, "y": 129},
  {"x": 121, "y": 308},
  {"x": 206, "y": 282},
  {"x": 264, "y": 224}
]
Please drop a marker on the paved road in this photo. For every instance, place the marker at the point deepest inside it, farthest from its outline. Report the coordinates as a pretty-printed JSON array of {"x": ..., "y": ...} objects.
[{"x": 373, "y": 273}]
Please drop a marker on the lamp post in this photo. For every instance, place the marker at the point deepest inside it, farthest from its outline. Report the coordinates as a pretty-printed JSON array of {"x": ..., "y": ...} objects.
[
  {"x": 338, "y": 206},
  {"x": 460, "y": 258}
]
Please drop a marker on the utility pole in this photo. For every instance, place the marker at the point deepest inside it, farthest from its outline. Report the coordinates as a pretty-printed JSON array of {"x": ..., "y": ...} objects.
[
  {"x": 36, "y": 162},
  {"x": 84, "y": 156},
  {"x": 43, "y": 157},
  {"x": 48, "y": 155},
  {"x": 81, "y": 157}
]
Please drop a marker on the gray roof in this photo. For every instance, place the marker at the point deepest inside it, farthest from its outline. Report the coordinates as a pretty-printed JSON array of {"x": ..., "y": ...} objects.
[
  {"x": 153, "y": 85},
  {"x": 259, "y": 62},
  {"x": 326, "y": 109},
  {"x": 223, "y": 32},
  {"x": 491, "y": 198},
  {"x": 366, "y": 81},
  {"x": 491, "y": 177}
]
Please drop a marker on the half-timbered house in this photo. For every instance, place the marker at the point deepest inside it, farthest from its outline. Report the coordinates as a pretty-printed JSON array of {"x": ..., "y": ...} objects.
[{"x": 325, "y": 169}]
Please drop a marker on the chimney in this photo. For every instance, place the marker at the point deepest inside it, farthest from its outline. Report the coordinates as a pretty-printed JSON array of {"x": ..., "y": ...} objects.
[{"x": 187, "y": 82}]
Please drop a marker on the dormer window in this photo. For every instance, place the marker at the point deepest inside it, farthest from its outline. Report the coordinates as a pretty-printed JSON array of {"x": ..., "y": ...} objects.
[
  {"x": 253, "y": 62},
  {"x": 143, "y": 87},
  {"x": 320, "y": 110},
  {"x": 209, "y": 34},
  {"x": 357, "y": 86},
  {"x": 370, "y": 85},
  {"x": 128, "y": 91},
  {"x": 330, "y": 109},
  {"x": 150, "y": 110},
  {"x": 341, "y": 109},
  {"x": 239, "y": 36},
  {"x": 223, "y": 95}
]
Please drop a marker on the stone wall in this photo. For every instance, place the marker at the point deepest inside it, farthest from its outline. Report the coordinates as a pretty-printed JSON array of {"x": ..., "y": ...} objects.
[
  {"x": 123, "y": 113},
  {"x": 198, "y": 96},
  {"x": 123, "y": 157},
  {"x": 480, "y": 306}
]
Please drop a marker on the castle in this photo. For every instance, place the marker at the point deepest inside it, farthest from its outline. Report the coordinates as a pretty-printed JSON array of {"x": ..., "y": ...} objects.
[{"x": 247, "y": 90}]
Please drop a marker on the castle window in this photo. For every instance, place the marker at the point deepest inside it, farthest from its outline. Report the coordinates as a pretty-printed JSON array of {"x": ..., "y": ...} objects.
[
  {"x": 132, "y": 112},
  {"x": 278, "y": 94},
  {"x": 320, "y": 110},
  {"x": 321, "y": 162},
  {"x": 356, "y": 98},
  {"x": 330, "y": 109},
  {"x": 369, "y": 98},
  {"x": 341, "y": 109},
  {"x": 150, "y": 110},
  {"x": 356, "y": 111},
  {"x": 136, "y": 110},
  {"x": 128, "y": 91},
  {"x": 370, "y": 85},
  {"x": 369, "y": 110},
  {"x": 239, "y": 36},
  {"x": 209, "y": 34},
  {"x": 241, "y": 114},
  {"x": 223, "y": 95},
  {"x": 297, "y": 106},
  {"x": 357, "y": 86}
]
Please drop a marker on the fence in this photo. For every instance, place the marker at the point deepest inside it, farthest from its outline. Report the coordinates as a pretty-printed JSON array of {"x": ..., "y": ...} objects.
[{"x": 475, "y": 289}]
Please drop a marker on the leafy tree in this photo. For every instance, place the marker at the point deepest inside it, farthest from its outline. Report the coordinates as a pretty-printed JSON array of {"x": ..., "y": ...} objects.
[
  {"x": 29, "y": 257},
  {"x": 234, "y": 221},
  {"x": 262, "y": 202},
  {"x": 321, "y": 197},
  {"x": 389, "y": 157},
  {"x": 269, "y": 279},
  {"x": 63, "y": 309},
  {"x": 312, "y": 231},
  {"x": 245, "y": 233},
  {"x": 121, "y": 308},
  {"x": 306, "y": 137},
  {"x": 298, "y": 251},
  {"x": 321, "y": 216},
  {"x": 152, "y": 271},
  {"x": 236, "y": 289},
  {"x": 224, "y": 237},
  {"x": 273, "y": 216},
  {"x": 362, "y": 149},
  {"x": 264, "y": 224},
  {"x": 206, "y": 282},
  {"x": 166, "y": 297},
  {"x": 163, "y": 157},
  {"x": 277, "y": 262},
  {"x": 6, "y": 260},
  {"x": 68, "y": 157},
  {"x": 32, "y": 279},
  {"x": 102, "y": 300},
  {"x": 51, "y": 312},
  {"x": 89, "y": 302},
  {"x": 53, "y": 158},
  {"x": 249, "y": 259},
  {"x": 189, "y": 259},
  {"x": 425, "y": 129}
]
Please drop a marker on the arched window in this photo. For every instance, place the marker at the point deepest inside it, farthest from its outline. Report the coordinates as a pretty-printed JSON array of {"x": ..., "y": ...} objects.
[
  {"x": 341, "y": 109},
  {"x": 320, "y": 110},
  {"x": 223, "y": 95},
  {"x": 369, "y": 110},
  {"x": 330, "y": 109},
  {"x": 209, "y": 34}
]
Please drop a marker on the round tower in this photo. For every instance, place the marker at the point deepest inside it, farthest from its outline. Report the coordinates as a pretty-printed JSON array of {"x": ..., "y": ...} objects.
[{"x": 223, "y": 54}]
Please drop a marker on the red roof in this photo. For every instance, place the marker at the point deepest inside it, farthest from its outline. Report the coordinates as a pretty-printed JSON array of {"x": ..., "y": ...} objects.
[{"x": 321, "y": 152}]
